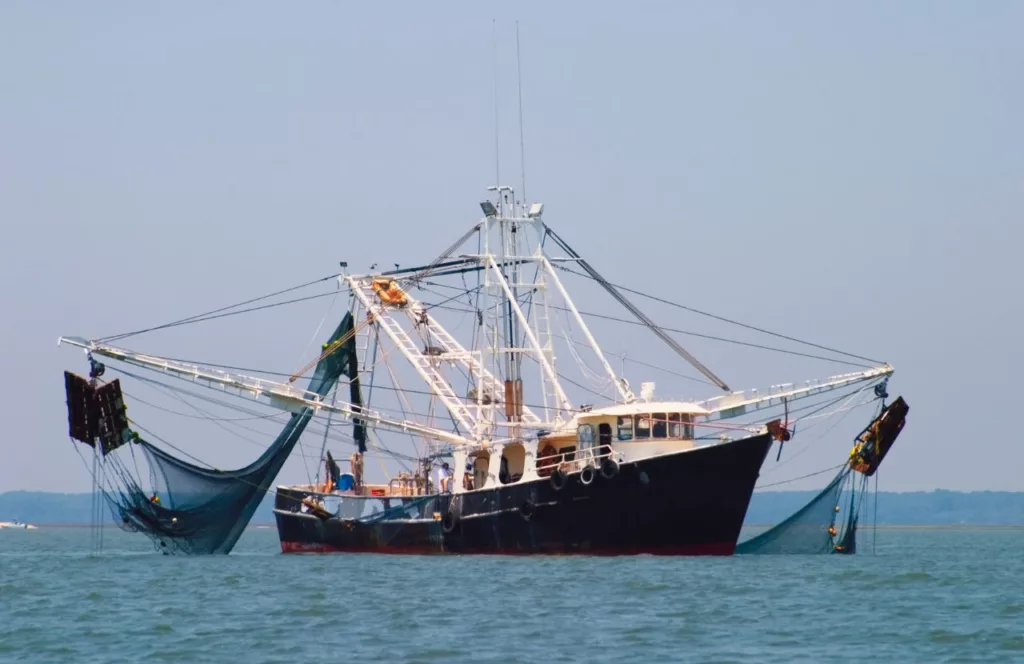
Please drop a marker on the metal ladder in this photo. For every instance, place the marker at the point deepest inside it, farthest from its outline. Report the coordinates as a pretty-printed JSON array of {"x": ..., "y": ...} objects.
[
  {"x": 362, "y": 340},
  {"x": 425, "y": 365},
  {"x": 456, "y": 352}
]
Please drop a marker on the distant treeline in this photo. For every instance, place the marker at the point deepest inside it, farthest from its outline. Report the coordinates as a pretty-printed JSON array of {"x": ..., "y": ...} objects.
[
  {"x": 926, "y": 508},
  {"x": 919, "y": 508}
]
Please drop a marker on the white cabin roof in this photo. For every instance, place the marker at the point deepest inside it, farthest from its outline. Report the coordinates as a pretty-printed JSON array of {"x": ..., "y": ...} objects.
[{"x": 646, "y": 407}]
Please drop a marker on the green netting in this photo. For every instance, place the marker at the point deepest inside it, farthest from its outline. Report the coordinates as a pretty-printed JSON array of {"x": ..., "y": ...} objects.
[
  {"x": 201, "y": 510},
  {"x": 807, "y": 531}
]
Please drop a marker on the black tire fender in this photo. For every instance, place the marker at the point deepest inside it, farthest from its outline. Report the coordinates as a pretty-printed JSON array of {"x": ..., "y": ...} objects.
[{"x": 558, "y": 479}]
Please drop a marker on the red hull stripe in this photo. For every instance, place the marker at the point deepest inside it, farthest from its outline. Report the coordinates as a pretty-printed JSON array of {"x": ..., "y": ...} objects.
[{"x": 712, "y": 549}]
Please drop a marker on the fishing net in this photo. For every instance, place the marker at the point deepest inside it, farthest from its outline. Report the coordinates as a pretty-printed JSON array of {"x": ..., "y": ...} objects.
[
  {"x": 806, "y": 531},
  {"x": 197, "y": 510},
  {"x": 813, "y": 529}
]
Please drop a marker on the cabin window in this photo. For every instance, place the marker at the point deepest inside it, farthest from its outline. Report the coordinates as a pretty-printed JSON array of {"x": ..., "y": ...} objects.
[
  {"x": 680, "y": 426},
  {"x": 625, "y": 428},
  {"x": 585, "y": 435},
  {"x": 660, "y": 425},
  {"x": 642, "y": 427},
  {"x": 675, "y": 429}
]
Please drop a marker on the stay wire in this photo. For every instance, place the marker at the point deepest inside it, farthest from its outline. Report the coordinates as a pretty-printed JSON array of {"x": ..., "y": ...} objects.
[
  {"x": 210, "y": 314},
  {"x": 874, "y": 535},
  {"x": 794, "y": 455},
  {"x": 314, "y": 425},
  {"x": 254, "y": 370},
  {"x": 220, "y": 422},
  {"x": 724, "y": 319},
  {"x": 802, "y": 477},
  {"x": 700, "y": 335}
]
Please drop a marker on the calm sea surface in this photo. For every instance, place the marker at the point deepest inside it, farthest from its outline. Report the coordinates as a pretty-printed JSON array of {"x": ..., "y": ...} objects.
[{"x": 925, "y": 596}]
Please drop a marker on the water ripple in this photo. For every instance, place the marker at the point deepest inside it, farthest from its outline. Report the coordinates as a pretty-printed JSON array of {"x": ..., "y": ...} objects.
[{"x": 928, "y": 595}]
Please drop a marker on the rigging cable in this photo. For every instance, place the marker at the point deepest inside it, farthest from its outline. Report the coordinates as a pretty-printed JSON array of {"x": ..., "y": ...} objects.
[
  {"x": 210, "y": 314},
  {"x": 874, "y": 535},
  {"x": 727, "y": 320},
  {"x": 700, "y": 335},
  {"x": 597, "y": 379},
  {"x": 263, "y": 371},
  {"x": 726, "y": 340},
  {"x": 806, "y": 447},
  {"x": 802, "y": 477},
  {"x": 313, "y": 426},
  {"x": 319, "y": 327},
  {"x": 632, "y": 308},
  {"x": 824, "y": 403},
  {"x": 418, "y": 276}
]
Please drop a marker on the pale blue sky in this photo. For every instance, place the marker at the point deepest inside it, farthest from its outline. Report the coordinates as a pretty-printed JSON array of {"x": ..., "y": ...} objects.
[{"x": 848, "y": 174}]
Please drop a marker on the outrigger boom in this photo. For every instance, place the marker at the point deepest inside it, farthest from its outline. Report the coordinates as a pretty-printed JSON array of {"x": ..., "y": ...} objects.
[
  {"x": 277, "y": 395},
  {"x": 289, "y": 398}
]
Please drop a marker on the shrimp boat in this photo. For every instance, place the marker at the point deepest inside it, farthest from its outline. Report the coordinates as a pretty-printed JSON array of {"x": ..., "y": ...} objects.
[{"x": 506, "y": 458}]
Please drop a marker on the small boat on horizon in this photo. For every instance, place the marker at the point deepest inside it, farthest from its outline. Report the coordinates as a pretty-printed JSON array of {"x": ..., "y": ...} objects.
[{"x": 16, "y": 525}]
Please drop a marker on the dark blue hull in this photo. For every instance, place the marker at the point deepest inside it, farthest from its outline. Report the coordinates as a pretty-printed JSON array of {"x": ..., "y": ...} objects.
[{"x": 686, "y": 503}]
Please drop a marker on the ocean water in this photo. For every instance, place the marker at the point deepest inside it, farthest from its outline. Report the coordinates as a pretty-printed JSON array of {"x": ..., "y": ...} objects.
[{"x": 924, "y": 596}]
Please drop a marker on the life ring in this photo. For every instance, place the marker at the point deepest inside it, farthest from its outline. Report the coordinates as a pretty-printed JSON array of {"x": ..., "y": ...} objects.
[
  {"x": 558, "y": 479},
  {"x": 609, "y": 468},
  {"x": 526, "y": 509},
  {"x": 587, "y": 475}
]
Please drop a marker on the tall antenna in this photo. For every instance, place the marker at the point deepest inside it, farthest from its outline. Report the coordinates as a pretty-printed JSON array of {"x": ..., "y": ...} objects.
[
  {"x": 497, "y": 153},
  {"x": 522, "y": 143}
]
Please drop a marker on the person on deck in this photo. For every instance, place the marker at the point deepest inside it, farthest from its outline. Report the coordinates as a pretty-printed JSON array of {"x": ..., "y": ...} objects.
[{"x": 444, "y": 478}]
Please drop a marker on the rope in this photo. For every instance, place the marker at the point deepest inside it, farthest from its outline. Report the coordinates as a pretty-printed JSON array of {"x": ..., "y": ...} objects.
[
  {"x": 427, "y": 306},
  {"x": 690, "y": 333},
  {"x": 725, "y": 340},
  {"x": 312, "y": 338},
  {"x": 802, "y": 477},
  {"x": 419, "y": 276},
  {"x": 824, "y": 433},
  {"x": 874, "y": 534},
  {"x": 210, "y": 314},
  {"x": 641, "y": 316},
  {"x": 173, "y": 391},
  {"x": 726, "y": 320},
  {"x": 345, "y": 338},
  {"x": 311, "y": 427}
]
